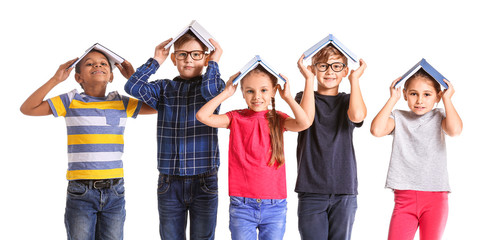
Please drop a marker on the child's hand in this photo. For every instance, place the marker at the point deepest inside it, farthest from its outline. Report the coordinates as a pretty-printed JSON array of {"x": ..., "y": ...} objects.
[
  {"x": 160, "y": 52},
  {"x": 448, "y": 93},
  {"x": 395, "y": 93},
  {"x": 126, "y": 69},
  {"x": 355, "y": 75},
  {"x": 216, "y": 54},
  {"x": 63, "y": 71},
  {"x": 285, "y": 92},
  {"x": 230, "y": 88},
  {"x": 306, "y": 71}
]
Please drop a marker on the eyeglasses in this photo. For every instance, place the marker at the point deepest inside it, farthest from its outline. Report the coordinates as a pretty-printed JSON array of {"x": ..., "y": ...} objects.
[
  {"x": 196, "y": 55},
  {"x": 336, "y": 66}
]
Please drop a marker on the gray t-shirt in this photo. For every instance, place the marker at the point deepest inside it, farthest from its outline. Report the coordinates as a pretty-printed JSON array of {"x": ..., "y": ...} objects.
[{"x": 418, "y": 157}]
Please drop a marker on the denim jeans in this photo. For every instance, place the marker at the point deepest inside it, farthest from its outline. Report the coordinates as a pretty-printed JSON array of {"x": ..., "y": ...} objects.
[
  {"x": 247, "y": 215},
  {"x": 92, "y": 213},
  {"x": 326, "y": 216},
  {"x": 196, "y": 195}
]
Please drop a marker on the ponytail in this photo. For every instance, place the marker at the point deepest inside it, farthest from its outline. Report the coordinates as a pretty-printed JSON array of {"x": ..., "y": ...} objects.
[{"x": 276, "y": 136}]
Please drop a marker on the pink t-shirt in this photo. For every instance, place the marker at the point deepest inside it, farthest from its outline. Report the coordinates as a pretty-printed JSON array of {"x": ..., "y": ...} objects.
[{"x": 249, "y": 154}]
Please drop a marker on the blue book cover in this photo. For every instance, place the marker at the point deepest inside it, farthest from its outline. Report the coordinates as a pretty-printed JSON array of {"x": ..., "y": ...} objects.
[
  {"x": 253, "y": 63},
  {"x": 197, "y": 30},
  {"x": 427, "y": 68},
  {"x": 330, "y": 39},
  {"x": 113, "y": 57}
]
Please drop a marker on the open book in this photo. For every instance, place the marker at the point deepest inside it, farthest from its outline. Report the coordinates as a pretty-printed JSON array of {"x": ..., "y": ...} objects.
[
  {"x": 197, "y": 30},
  {"x": 427, "y": 68},
  {"x": 330, "y": 39},
  {"x": 253, "y": 63},
  {"x": 113, "y": 57}
]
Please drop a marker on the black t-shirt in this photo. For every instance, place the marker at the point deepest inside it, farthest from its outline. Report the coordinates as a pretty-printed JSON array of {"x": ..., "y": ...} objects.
[{"x": 325, "y": 156}]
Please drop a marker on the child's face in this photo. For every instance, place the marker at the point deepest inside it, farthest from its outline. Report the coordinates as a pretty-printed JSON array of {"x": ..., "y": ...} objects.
[
  {"x": 189, "y": 68},
  {"x": 421, "y": 95},
  {"x": 257, "y": 90},
  {"x": 95, "y": 70},
  {"x": 329, "y": 80}
]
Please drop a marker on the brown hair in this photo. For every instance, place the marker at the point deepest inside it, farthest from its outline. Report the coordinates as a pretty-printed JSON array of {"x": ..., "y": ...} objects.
[
  {"x": 189, "y": 36},
  {"x": 326, "y": 52},
  {"x": 423, "y": 74},
  {"x": 275, "y": 123}
]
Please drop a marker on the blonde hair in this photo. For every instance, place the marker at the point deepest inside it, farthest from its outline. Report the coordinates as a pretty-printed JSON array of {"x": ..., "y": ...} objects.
[{"x": 275, "y": 122}]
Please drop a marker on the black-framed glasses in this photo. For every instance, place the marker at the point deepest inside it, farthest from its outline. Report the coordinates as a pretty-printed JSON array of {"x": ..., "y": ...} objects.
[
  {"x": 336, "y": 66},
  {"x": 196, "y": 55}
]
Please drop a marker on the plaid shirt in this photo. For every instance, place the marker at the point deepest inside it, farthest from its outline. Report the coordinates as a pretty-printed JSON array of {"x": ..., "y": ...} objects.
[{"x": 186, "y": 146}]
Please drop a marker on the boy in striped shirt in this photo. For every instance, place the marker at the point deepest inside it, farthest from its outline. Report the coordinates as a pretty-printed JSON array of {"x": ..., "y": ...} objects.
[{"x": 95, "y": 125}]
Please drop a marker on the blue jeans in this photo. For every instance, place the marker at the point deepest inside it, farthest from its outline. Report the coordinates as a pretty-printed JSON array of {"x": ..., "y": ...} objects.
[
  {"x": 248, "y": 214},
  {"x": 326, "y": 216},
  {"x": 197, "y": 195},
  {"x": 93, "y": 213}
]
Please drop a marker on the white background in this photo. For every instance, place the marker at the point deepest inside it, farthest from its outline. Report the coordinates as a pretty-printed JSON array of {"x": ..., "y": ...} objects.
[{"x": 391, "y": 36}]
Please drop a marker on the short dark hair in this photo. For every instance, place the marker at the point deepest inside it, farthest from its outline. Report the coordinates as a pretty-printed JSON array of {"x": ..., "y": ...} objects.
[
  {"x": 78, "y": 65},
  {"x": 189, "y": 36}
]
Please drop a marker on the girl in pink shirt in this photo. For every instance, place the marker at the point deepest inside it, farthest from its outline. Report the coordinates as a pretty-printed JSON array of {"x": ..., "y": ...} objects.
[{"x": 257, "y": 182}]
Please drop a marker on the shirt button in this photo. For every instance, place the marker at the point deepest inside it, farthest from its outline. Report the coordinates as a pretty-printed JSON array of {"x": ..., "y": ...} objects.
[{"x": 258, "y": 200}]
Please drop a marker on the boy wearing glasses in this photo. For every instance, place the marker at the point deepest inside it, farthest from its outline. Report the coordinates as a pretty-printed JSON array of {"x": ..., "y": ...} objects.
[
  {"x": 188, "y": 155},
  {"x": 327, "y": 171}
]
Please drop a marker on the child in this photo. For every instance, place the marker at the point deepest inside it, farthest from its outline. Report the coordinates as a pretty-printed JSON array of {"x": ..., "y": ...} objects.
[
  {"x": 95, "y": 125},
  {"x": 188, "y": 156},
  {"x": 327, "y": 170},
  {"x": 256, "y": 170},
  {"x": 417, "y": 171}
]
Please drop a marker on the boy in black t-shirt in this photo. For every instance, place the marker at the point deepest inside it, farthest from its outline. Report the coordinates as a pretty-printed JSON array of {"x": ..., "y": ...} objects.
[{"x": 327, "y": 171}]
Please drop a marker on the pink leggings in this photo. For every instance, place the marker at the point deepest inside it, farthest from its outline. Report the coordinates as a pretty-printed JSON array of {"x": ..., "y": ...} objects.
[{"x": 418, "y": 209}]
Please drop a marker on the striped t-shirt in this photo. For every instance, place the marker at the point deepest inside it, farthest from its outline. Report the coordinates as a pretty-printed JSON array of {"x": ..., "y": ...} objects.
[{"x": 95, "y": 128}]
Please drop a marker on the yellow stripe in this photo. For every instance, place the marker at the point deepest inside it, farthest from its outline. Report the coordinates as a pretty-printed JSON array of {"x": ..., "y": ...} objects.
[
  {"x": 59, "y": 107},
  {"x": 117, "y": 105},
  {"x": 131, "y": 107},
  {"x": 95, "y": 139},
  {"x": 95, "y": 174}
]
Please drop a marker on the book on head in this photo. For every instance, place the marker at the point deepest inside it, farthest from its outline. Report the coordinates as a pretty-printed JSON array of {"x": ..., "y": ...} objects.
[
  {"x": 198, "y": 31},
  {"x": 113, "y": 57},
  {"x": 428, "y": 69},
  {"x": 253, "y": 63},
  {"x": 330, "y": 39}
]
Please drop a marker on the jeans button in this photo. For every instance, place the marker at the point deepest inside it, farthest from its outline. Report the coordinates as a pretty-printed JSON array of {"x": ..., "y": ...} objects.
[{"x": 258, "y": 200}]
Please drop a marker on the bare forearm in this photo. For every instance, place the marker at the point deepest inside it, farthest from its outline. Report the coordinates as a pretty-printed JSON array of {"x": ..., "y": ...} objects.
[
  {"x": 452, "y": 124},
  {"x": 357, "y": 111}
]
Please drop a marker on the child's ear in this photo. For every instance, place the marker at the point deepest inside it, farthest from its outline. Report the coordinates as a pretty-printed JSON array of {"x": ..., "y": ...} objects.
[
  {"x": 311, "y": 69},
  {"x": 345, "y": 71},
  {"x": 111, "y": 77},
  {"x": 174, "y": 60},
  {"x": 207, "y": 59},
  {"x": 78, "y": 78},
  {"x": 405, "y": 94},
  {"x": 439, "y": 96}
]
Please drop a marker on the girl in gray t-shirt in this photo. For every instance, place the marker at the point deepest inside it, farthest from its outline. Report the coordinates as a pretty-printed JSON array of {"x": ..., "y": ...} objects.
[{"x": 417, "y": 170}]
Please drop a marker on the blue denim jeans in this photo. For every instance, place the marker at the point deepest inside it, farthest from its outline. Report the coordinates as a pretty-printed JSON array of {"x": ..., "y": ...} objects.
[
  {"x": 92, "y": 213},
  {"x": 247, "y": 215},
  {"x": 326, "y": 216},
  {"x": 194, "y": 195}
]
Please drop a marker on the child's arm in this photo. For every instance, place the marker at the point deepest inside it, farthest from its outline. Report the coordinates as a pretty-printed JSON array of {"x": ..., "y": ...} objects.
[
  {"x": 212, "y": 84},
  {"x": 451, "y": 124},
  {"x": 35, "y": 105},
  {"x": 138, "y": 85},
  {"x": 307, "y": 102},
  {"x": 127, "y": 71},
  {"x": 383, "y": 124},
  {"x": 356, "y": 110},
  {"x": 206, "y": 113},
  {"x": 301, "y": 120}
]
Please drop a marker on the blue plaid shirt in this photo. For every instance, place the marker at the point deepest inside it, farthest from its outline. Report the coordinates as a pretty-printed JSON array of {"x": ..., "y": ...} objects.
[{"x": 186, "y": 146}]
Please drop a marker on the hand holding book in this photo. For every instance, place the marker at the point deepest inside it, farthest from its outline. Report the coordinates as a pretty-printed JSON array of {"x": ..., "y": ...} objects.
[{"x": 161, "y": 53}]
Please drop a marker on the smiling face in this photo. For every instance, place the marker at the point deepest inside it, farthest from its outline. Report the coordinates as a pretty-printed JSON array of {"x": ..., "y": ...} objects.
[
  {"x": 189, "y": 68},
  {"x": 94, "y": 70},
  {"x": 329, "y": 80},
  {"x": 257, "y": 89},
  {"x": 421, "y": 95}
]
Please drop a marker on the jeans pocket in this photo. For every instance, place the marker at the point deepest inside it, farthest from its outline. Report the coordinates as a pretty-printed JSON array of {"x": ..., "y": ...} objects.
[
  {"x": 119, "y": 189},
  {"x": 163, "y": 184},
  {"x": 76, "y": 189},
  {"x": 210, "y": 184}
]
